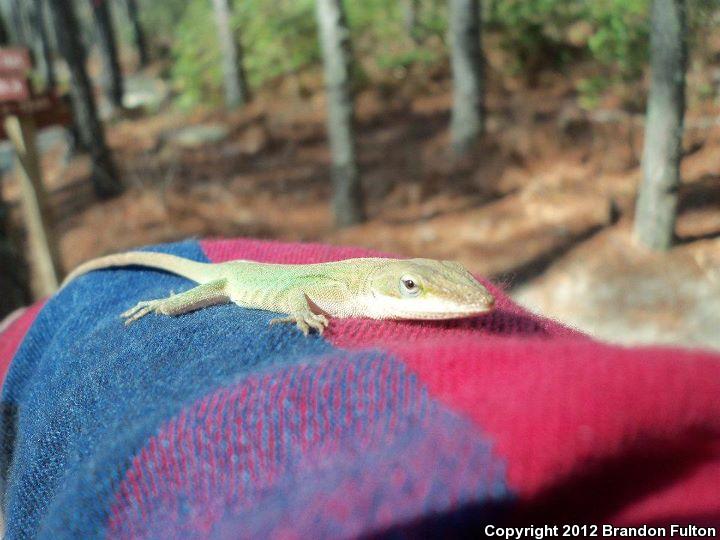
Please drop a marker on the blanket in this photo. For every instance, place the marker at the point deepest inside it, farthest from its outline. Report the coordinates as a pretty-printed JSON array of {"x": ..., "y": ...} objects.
[{"x": 215, "y": 424}]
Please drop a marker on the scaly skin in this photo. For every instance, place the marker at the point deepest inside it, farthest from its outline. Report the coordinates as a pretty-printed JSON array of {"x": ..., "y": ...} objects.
[{"x": 307, "y": 294}]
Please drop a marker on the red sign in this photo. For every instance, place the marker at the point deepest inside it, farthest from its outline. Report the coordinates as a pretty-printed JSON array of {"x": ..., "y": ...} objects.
[
  {"x": 15, "y": 60},
  {"x": 37, "y": 104},
  {"x": 16, "y": 96},
  {"x": 46, "y": 110},
  {"x": 14, "y": 88}
]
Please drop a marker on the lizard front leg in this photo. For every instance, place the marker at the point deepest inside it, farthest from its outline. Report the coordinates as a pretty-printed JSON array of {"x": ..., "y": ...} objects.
[
  {"x": 198, "y": 297},
  {"x": 303, "y": 316}
]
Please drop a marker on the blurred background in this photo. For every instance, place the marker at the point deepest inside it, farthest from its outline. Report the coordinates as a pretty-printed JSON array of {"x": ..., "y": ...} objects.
[{"x": 567, "y": 149}]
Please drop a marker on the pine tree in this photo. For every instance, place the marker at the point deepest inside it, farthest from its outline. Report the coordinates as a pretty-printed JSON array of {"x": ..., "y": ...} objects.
[
  {"x": 656, "y": 208},
  {"x": 90, "y": 131},
  {"x": 236, "y": 90},
  {"x": 467, "y": 121},
  {"x": 337, "y": 58},
  {"x": 138, "y": 32},
  {"x": 112, "y": 80}
]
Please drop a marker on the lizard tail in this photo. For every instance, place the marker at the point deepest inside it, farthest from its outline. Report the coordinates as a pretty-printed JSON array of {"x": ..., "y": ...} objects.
[{"x": 196, "y": 271}]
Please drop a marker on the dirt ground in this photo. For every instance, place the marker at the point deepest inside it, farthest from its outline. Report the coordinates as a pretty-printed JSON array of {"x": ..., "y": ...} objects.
[{"x": 544, "y": 206}]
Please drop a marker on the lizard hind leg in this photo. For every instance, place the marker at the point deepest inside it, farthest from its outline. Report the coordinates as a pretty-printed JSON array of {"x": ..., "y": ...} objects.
[{"x": 305, "y": 321}]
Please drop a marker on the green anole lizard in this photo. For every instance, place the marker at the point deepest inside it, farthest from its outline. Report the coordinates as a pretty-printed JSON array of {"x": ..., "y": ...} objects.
[{"x": 307, "y": 294}]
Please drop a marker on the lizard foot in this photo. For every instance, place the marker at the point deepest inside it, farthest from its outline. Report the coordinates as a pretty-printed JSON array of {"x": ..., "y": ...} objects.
[
  {"x": 305, "y": 320},
  {"x": 142, "y": 309}
]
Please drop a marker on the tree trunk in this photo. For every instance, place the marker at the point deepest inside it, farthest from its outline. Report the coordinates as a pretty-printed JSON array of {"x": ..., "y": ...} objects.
[
  {"x": 29, "y": 30},
  {"x": 47, "y": 67},
  {"x": 104, "y": 175},
  {"x": 657, "y": 201},
  {"x": 138, "y": 32},
  {"x": 410, "y": 8},
  {"x": 337, "y": 58},
  {"x": 14, "y": 287},
  {"x": 17, "y": 23},
  {"x": 467, "y": 66},
  {"x": 236, "y": 91},
  {"x": 4, "y": 36},
  {"x": 112, "y": 80}
]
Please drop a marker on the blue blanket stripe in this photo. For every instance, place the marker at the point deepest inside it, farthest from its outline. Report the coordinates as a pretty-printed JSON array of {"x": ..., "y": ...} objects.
[{"x": 84, "y": 393}]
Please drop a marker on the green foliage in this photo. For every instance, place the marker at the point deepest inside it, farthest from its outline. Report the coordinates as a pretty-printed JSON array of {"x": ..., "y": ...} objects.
[
  {"x": 382, "y": 40},
  {"x": 590, "y": 90},
  {"x": 404, "y": 60},
  {"x": 197, "y": 71},
  {"x": 621, "y": 34},
  {"x": 530, "y": 29},
  {"x": 375, "y": 20},
  {"x": 277, "y": 38},
  {"x": 160, "y": 18},
  {"x": 280, "y": 37},
  {"x": 550, "y": 32}
]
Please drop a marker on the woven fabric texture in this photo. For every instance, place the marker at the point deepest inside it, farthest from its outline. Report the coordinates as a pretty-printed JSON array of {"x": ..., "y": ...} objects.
[{"x": 216, "y": 425}]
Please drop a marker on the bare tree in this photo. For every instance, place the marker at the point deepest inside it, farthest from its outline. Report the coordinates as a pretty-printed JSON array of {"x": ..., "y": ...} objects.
[
  {"x": 42, "y": 43},
  {"x": 656, "y": 208},
  {"x": 138, "y": 32},
  {"x": 337, "y": 58},
  {"x": 18, "y": 29},
  {"x": 236, "y": 91},
  {"x": 112, "y": 80},
  {"x": 410, "y": 16},
  {"x": 90, "y": 131},
  {"x": 467, "y": 66},
  {"x": 29, "y": 28},
  {"x": 4, "y": 36}
]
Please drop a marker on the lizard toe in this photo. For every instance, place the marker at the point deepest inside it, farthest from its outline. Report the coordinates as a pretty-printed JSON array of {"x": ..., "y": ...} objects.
[
  {"x": 137, "y": 315},
  {"x": 303, "y": 326},
  {"x": 322, "y": 319},
  {"x": 281, "y": 320},
  {"x": 140, "y": 310},
  {"x": 305, "y": 321},
  {"x": 137, "y": 307},
  {"x": 316, "y": 325}
]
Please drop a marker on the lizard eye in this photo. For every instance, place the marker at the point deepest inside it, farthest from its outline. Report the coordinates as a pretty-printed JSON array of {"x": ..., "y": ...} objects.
[{"x": 409, "y": 286}]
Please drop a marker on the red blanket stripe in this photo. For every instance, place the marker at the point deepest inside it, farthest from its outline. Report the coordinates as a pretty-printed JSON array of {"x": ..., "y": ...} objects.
[{"x": 12, "y": 336}]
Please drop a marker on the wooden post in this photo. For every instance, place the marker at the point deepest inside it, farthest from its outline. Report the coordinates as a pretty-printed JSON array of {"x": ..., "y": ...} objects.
[
  {"x": 22, "y": 110},
  {"x": 45, "y": 260}
]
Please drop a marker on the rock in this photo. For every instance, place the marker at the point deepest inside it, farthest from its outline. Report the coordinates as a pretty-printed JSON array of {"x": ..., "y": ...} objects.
[
  {"x": 198, "y": 135},
  {"x": 145, "y": 92},
  {"x": 618, "y": 292}
]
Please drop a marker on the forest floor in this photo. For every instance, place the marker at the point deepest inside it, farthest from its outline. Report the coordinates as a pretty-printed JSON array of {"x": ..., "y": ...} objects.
[{"x": 544, "y": 206}]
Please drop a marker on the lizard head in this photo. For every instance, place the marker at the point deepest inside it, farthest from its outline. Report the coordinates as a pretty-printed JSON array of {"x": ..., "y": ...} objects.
[{"x": 426, "y": 289}]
